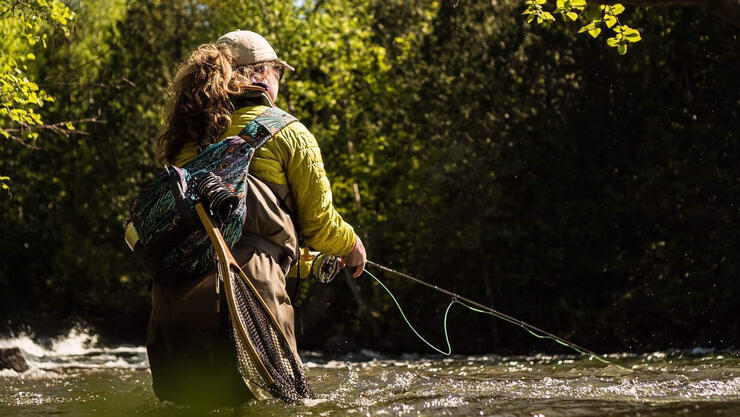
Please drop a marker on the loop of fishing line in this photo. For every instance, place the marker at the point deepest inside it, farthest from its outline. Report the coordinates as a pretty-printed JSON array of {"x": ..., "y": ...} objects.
[{"x": 477, "y": 308}]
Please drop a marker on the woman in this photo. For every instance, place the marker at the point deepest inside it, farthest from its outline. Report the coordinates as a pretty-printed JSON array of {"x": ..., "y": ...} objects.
[{"x": 217, "y": 91}]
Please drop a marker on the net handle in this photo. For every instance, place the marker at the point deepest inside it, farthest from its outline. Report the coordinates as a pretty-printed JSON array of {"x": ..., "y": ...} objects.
[{"x": 225, "y": 262}]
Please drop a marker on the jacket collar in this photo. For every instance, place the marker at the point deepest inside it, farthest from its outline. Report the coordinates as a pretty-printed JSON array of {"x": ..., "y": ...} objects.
[{"x": 253, "y": 96}]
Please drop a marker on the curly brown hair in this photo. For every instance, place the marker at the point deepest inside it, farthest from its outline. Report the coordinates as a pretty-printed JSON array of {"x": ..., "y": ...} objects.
[{"x": 200, "y": 96}]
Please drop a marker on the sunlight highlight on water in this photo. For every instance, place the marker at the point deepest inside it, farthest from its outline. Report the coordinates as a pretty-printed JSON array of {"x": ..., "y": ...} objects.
[{"x": 73, "y": 375}]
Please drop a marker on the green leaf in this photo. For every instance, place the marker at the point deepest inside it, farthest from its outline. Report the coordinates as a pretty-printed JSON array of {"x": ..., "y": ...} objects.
[
  {"x": 628, "y": 31},
  {"x": 594, "y": 32},
  {"x": 632, "y": 35},
  {"x": 547, "y": 16},
  {"x": 610, "y": 20},
  {"x": 572, "y": 15},
  {"x": 622, "y": 49},
  {"x": 613, "y": 41},
  {"x": 616, "y": 9}
]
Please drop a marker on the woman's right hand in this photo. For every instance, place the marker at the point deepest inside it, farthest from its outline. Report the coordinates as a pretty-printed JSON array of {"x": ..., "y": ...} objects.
[{"x": 357, "y": 258}]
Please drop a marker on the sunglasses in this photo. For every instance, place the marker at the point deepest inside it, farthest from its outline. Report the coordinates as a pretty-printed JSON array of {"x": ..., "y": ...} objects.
[{"x": 281, "y": 72}]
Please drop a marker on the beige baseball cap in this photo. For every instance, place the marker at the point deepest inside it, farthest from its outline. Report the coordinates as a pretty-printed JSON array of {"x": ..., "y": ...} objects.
[{"x": 251, "y": 48}]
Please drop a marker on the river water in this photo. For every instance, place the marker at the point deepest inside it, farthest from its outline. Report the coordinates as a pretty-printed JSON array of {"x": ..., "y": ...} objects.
[{"x": 73, "y": 376}]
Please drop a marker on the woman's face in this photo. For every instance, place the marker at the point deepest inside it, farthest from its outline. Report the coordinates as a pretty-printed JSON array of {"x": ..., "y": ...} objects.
[{"x": 272, "y": 78}]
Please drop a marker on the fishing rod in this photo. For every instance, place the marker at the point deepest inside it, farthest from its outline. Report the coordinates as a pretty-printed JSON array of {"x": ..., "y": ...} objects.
[{"x": 480, "y": 308}]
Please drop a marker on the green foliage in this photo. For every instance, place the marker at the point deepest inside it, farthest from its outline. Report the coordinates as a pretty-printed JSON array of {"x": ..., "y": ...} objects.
[
  {"x": 535, "y": 12},
  {"x": 4, "y": 180},
  {"x": 594, "y": 17},
  {"x": 20, "y": 97},
  {"x": 516, "y": 165}
]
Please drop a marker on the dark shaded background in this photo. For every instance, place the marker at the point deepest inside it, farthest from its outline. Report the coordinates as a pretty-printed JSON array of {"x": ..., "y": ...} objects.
[{"x": 529, "y": 168}]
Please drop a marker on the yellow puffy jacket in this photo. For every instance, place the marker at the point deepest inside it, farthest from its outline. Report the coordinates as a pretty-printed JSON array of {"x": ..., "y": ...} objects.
[{"x": 293, "y": 158}]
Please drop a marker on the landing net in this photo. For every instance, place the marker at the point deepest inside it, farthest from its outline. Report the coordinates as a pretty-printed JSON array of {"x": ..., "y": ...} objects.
[{"x": 269, "y": 351}]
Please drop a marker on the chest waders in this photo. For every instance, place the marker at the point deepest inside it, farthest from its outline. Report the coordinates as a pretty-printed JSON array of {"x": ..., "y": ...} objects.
[
  {"x": 266, "y": 360},
  {"x": 208, "y": 346}
]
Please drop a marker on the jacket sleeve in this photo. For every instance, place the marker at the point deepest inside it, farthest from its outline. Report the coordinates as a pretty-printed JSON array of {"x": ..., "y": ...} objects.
[{"x": 319, "y": 223}]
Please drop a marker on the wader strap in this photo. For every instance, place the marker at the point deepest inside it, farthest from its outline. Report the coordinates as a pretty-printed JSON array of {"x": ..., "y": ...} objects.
[{"x": 273, "y": 249}]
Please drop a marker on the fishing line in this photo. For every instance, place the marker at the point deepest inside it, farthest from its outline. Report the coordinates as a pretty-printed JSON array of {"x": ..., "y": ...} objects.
[{"x": 478, "y": 308}]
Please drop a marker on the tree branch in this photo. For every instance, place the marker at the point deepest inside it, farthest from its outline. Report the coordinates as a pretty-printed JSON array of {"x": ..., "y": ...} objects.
[
  {"x": 60, "y": 128},
  {"x": 728, "y": 10}
]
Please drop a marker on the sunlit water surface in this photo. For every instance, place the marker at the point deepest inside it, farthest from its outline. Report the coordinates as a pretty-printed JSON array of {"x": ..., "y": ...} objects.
[{"x": 72, "y": 376}]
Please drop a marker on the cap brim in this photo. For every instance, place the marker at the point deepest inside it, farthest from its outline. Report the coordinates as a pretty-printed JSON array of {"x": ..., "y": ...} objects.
[{"x": 286, "y": 65}]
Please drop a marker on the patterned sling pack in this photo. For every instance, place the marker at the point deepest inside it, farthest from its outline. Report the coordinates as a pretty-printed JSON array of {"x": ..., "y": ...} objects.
[{"x": 163, "y": 229}]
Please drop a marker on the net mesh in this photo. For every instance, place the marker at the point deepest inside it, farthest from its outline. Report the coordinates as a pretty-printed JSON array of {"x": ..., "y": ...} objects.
[{"x": 272, "y": 350}]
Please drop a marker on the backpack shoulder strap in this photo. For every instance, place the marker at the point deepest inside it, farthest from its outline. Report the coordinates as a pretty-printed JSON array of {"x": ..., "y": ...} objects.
[{"x": 265, "y": 126}]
